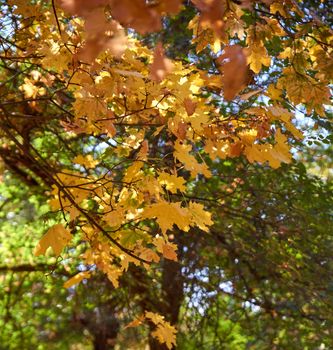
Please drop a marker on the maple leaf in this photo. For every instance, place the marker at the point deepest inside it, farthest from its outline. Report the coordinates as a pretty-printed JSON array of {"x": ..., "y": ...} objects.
[
  {"x": 113, "y": 273},
  {"x": 279, "y": 113},
  {"x": 168, "y": 214},
  {"x": 133, "y": 172},
  {"x": 273, "y": 92},
  {"x": 165, "y": 333},
  {"x": 155, "y": 318},
  {"x": 77, "y": 279},
  {"x": 136, "y": 14},
  {"x": 57, "y": 237},
  {"x": 200, "y": 217},
  {"x": 147, "y": 254},
  {"x": 167, "y": 249},
  {"x": 190, "y": 106},
  {"x": 304, "y": 89},
  {"x": 257, "y": 56},
  {"x": 212, "y": 13},
  {"x": 87, "y": 161},
  {"x": 115, "y": 217},
  {"x": 281, "y": 150},
  {"x": 172, "y": 183},
  {"x": 274, "y": 154},
  {"x": 182, "y": 153},
  {"x": 161, "y": 65},
  {"x": 233, "y": 66}
]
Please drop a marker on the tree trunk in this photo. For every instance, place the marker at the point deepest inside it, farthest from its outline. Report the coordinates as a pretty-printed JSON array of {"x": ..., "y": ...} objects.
[{"x": 101, "y": 342}]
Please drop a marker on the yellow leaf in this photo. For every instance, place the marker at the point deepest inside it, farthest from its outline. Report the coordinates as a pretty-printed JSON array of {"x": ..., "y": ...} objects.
[
  {"x": 158, "y": 130},
  {"x": 279, "y": 113},
  {"x": 57, "y": 237},
  {"x": 115, "y": 217},
  {"x": 281, "y": 149},
  {"x": 304, "y": 89},
  {"x": 87, "y": 161},
  {"x": 113, "y": 274},
  {"x": 274, "y": 154},
  {"x": 165, "y": 333},
  {"x": 169, "y": 251},
  {"x": 276, "y": 7},
  {"x": 257, "y": 57},
  {"x": 200, "y": 217},
  {"x": 133, "y": 172},
  {"x": 155, "y": 318},
  {"x": 73, "y": 212},
  {"x": 274, "y": 93},
  {"x": 143, "y": 152},
  {"x": 77, "y": 279},
  {"x": 172, "y": 182},
  {"x": 182, "y": 153},
  {"x": 168, "y": 214}
]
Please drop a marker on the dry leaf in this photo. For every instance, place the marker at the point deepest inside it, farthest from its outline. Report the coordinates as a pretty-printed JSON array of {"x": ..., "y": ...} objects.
[
  {"x": 136, "y": 14},
  {"x": 161, "y": 65},
  {"x": 233, "y": 66},
  {"x": 190, "y": 106},
  {"x": 211, "y": 16}
]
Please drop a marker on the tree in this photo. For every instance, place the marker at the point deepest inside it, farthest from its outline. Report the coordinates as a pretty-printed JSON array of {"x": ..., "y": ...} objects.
[{"x": 161, "y": 134}]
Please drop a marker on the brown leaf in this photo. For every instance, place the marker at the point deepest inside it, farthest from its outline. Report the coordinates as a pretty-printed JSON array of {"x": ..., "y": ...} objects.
[
  {"x": 81, "y": 7},
  {"x": 169, "y": 251},
  {"x": 212, "y": 13},
  {"x": 235, "y": 149},
  {"x": 190, "y": 106},
  {"x": 234, "y": 68},
  {"x": 96, "y": 22},
  {"x": 181, "y": 131},
  {"x": 136, "y": 14},
  {"x": 115, "y": 41},
  {"x": 169, "y": 6},
  {"x": 161, "y": 65}
]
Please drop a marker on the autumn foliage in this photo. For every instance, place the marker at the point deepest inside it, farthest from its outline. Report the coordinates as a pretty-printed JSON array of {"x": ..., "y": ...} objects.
[{"x": 137, "y": 130}]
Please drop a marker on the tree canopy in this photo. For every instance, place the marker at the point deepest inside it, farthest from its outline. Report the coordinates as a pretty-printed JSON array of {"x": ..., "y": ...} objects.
[{"x": 165, "y": 174}]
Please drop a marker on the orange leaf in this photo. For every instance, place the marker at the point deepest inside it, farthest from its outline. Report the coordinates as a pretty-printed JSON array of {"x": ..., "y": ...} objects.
[
  {"x": 77, "y": 279},
  {"x": 190, "y": 106},
  {"x": 233, "y": 66},
  {"x": 161, "y": 65}
]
